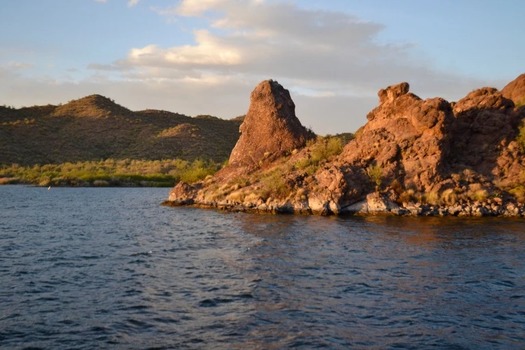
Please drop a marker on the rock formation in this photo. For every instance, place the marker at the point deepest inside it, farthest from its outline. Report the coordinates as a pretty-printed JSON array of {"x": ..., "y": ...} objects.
[
  {"x": 414, "y": 157},
  {"x": 515, "y": 90},
  {"x": 270, "y": 129}
]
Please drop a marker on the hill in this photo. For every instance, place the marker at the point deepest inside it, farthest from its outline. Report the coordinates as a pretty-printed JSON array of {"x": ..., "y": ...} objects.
[
  {"x": 413, "y": 157},
  {"x": 94, "y": 128}
]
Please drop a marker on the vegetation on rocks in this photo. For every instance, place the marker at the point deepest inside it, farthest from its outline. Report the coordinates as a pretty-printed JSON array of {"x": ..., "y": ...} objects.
[
  {"x": 521, "y": 137},
  {"x": 320, "y": 150}
]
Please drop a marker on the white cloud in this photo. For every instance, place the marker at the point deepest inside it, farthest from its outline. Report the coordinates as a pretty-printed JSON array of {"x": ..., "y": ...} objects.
[
  {"x": 208, "y": 51},
  {"x": 197, "y": 7}
]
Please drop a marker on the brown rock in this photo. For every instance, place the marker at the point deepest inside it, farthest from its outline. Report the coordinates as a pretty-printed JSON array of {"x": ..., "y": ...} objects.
[
  {"x": 515, "y": 90},
  {"x": 270, "y": 129},
  {"x": 405, "y": 137},
  {"x": 389, "y": 94},
  {"x": 183, "y": 194},
  {"x": 484, "y": 98},
  {"x": 485, "y": 125}
]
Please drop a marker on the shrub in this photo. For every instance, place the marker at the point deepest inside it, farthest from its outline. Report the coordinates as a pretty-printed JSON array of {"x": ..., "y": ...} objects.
[
  {"x": 406, "y": 196},
  {"x": 197, "y": 171},
  {"x": 519, "y": 193},
  {"x": 521, "y": 138},
  {"x": 116, "y": 172},
  {"x": 449, "y": 196},
  {"x": 375, "y": 173},
  {"x": 479, "y": 195},
  {"x": 322, "y": 149},
  {"x": 325, "y": 148},
  {"x": 432, "y": 198},
  {"x": 274, "y": 185}
]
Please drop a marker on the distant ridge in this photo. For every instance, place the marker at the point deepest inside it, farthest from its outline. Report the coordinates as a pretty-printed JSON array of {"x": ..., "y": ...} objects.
[{"x": 96, "y": 128}]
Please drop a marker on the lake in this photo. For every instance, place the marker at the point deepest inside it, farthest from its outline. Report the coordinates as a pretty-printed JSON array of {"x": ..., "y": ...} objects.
[{"x": 110, "y": 268}]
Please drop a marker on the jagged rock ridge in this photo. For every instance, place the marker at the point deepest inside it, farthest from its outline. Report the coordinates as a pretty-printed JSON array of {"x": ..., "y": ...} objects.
[{"x": 414, "y": 156}]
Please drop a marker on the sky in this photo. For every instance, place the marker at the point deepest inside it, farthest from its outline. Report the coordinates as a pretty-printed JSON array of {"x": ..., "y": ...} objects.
[{"x": 206, "y": 56}]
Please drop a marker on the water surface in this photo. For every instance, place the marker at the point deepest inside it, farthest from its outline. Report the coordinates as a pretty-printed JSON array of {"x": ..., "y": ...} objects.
[{"x": 86, "y": 268}]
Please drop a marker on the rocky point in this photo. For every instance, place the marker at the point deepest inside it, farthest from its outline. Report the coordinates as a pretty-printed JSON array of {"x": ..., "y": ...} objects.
[{"x": 413, "y": 157}]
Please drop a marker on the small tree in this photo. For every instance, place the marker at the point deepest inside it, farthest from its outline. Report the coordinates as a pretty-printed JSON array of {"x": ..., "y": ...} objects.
[{"x": 375, "y": 172}]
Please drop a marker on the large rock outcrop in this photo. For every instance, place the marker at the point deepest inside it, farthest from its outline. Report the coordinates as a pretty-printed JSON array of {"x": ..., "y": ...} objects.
[
  {"x": 270, "y": 129},
  {"x": 414, "y": 156},
  {"x": 483, "y": 136}
]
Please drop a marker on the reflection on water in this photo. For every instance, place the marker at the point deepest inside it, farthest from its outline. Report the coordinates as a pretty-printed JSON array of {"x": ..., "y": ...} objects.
[{"x": 106, "y": 268}]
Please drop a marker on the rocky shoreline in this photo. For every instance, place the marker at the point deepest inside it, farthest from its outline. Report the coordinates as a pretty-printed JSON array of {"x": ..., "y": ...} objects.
[
  {"x": 413, "y": 157},
  {"x": 374, "y": 204}
]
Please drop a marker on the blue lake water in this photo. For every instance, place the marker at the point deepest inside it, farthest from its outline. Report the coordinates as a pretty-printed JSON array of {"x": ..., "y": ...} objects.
[{"x": 109, "y": 268}]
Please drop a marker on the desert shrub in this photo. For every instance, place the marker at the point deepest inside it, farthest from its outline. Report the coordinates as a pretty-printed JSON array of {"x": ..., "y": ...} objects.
[
  {"x": 521, "y": 138},
  {"x": 321, "y": 149},
  {"x": 479, "y": 195},
  {"x": 449, "y": 196},
  {"x": 241, "y": 181},
  {"x": 407, "y": 196},
  {"x": 274, "y": 185},
  {"x": 432, "y": 198},
  {"x": 115, "y": 172},
  {"x": 375, "y": 173},
  {"x": 476, "y": 192},
  {"x": 519, "y": 193},
  {"x": 325, "y": 148},
  {"x": 198, "y": 170}
]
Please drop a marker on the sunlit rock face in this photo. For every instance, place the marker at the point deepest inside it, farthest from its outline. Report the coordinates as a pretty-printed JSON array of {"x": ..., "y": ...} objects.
[
  {"x": 270, "y": 129},
  {"x": 515, "y": 90}
]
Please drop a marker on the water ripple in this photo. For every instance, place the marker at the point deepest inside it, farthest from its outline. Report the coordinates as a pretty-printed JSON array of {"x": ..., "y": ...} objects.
[{"x": 110, "y": 268}]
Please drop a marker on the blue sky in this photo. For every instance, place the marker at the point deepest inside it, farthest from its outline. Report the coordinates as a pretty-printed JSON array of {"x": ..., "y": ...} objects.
[{"x": 205, "y": 56}]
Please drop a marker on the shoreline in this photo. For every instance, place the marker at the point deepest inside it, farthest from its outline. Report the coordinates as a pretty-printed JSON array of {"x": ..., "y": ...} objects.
[{"x": 366, "y": 208}]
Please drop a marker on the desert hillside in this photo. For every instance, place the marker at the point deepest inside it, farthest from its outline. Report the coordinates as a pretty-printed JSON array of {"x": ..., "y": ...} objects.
[{"x": 96, "y": 128}]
